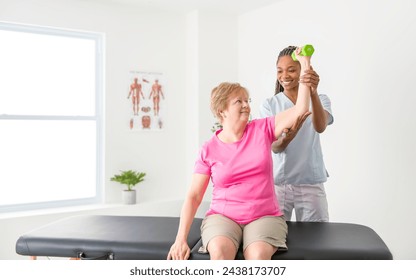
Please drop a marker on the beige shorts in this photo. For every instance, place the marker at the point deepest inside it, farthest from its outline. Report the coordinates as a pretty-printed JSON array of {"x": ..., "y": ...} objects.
[{"x": 270, "y": 229}]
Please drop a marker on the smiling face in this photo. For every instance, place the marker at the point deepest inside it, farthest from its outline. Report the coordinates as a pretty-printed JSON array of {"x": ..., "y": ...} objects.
[
  {"x": 238, "y": 107},
  {"x": 230, "y": 100},
  {"x": 288, "y": 72}
]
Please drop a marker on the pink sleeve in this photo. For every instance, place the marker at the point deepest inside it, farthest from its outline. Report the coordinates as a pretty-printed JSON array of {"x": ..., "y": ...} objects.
[
  {"x": 201, "y": 166},
  {"x": 270, "y": 127}
]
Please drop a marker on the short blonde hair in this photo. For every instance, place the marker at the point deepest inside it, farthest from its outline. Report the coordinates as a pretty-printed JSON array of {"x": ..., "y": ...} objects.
[{"x": 220, "y": 96}]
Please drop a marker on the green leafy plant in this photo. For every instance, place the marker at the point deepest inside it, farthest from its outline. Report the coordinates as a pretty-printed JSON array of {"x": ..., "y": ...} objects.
[
  {"x": 216, "y": 126},
  {"x": 130, "y": 178}
]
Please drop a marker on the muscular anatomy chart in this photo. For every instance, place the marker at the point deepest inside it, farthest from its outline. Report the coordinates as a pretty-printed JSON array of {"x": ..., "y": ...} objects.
[{"x": 146, "y": 100}]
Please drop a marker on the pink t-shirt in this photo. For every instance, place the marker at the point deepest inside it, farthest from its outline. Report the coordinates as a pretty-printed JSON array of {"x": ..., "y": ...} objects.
[{"x": 241, "y": 173}]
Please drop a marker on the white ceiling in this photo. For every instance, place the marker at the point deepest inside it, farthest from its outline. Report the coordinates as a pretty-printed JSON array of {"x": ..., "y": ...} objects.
[{"x": 228, "y": 6}]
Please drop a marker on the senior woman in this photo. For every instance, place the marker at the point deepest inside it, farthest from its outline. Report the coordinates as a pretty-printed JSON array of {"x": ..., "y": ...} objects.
[{"x": 244, "y": 208}]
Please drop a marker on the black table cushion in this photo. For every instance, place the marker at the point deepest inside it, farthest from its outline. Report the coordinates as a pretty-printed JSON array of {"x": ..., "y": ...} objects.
[
  {"x": 325, "y": 241},
  {"x": 114, "y": 237},
  {"x": 150, "y": 238}
]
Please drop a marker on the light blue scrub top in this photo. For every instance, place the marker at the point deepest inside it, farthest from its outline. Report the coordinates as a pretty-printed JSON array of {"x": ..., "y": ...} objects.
[{"x": 302, "y": 161}]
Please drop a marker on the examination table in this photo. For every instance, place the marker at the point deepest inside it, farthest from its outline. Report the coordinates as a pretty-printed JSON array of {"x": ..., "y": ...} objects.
[{"x": 150, "y": 238}]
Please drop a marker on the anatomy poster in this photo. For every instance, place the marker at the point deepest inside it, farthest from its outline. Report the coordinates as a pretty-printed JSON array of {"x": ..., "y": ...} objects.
[{"x": 146, "y": 100}]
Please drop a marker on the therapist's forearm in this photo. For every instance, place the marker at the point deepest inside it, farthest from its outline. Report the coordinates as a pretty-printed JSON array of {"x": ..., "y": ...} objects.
[{"x": 319, "y": 115}]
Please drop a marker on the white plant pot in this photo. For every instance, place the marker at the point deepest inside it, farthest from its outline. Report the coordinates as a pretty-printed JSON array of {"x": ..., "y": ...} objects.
[{"x": 129, "y": 197}]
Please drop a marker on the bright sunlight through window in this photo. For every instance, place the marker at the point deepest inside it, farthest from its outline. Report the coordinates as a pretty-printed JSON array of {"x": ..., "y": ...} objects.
[{"x": 50, "y": 117}]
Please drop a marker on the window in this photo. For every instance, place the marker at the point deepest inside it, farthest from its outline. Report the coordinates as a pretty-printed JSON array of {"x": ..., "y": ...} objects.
[{"x": 51, "y": 110}]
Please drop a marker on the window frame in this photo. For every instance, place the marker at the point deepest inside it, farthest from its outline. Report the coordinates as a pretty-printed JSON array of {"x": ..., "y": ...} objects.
[{"x": 98, "y": 117}]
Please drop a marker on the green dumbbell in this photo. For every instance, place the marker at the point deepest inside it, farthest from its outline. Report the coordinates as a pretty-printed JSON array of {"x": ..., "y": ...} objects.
[{"x": 307, "y": 50}]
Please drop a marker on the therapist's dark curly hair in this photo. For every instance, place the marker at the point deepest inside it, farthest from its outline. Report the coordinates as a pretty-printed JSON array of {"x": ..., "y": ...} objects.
[{"x": 286, "y": 51}]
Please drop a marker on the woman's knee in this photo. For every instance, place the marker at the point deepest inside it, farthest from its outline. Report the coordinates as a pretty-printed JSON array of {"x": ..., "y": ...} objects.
[
  {"x": 221, "y": 248},
  {"x": 259, "y": 250}
]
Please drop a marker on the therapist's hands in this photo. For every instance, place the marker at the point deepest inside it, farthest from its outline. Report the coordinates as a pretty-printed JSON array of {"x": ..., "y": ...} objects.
[
  {"x": 289, "y": 134},
  {"x": 311, "y": 79}
]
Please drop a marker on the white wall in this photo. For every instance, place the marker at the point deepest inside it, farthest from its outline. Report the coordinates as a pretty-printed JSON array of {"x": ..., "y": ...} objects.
[
  {"x": 359, "y": 55},
  {"x": 136, "y": 39},
  {"x": 365, "y": 58},
  {"x": 145, "y": 39}
]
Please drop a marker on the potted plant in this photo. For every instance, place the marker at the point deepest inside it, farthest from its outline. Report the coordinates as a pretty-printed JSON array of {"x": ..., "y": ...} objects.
[
  {"x": 129, "y": 178},
  {"x": 216, "y": 126}
]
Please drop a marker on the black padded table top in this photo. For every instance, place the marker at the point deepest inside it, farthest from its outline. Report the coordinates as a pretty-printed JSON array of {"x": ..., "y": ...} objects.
[
  {"x": 326, "y": 241},
  {"x": 113, "y": 237},
  {"x": 150, "y": 238}
]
